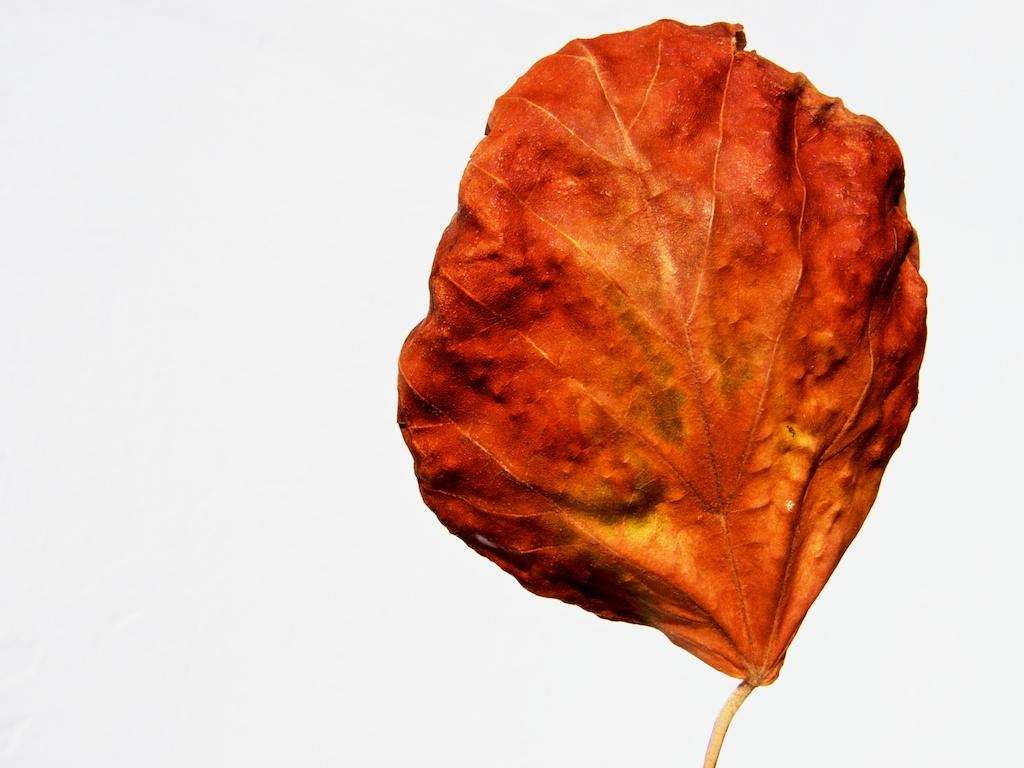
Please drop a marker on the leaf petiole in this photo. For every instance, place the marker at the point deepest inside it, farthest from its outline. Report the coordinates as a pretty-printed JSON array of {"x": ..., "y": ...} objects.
[{"x": 732, "y": 704}]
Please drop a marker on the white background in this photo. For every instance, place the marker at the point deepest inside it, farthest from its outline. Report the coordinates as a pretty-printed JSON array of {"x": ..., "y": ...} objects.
[{"x": 216, "y": 225}]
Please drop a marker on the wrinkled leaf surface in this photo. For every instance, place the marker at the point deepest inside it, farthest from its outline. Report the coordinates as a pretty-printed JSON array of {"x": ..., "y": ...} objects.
[{"x": 674, "y": 337}]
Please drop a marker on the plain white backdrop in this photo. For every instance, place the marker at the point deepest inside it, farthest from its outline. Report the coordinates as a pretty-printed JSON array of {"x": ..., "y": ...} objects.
[{"x": 216, "y": 225}]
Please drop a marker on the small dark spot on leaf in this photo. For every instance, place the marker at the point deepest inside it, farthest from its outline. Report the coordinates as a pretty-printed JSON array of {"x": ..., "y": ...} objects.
[{"x": 667, "y": 405}]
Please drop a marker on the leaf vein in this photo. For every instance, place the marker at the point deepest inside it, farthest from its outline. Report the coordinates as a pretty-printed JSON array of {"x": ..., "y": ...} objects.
[
  {"x": 552, "y": 116},
  {"x": 820, "y": 458},
  {"x": 773, "y": 358},
  {"x": 650, "y": 85}
]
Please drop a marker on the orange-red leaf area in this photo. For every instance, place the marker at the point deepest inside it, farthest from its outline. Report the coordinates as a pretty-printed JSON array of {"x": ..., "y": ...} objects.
[{"x": 674, "y": 337}]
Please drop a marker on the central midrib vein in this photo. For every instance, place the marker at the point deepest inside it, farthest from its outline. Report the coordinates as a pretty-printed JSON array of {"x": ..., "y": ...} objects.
[{"x": 669, "y": 267}]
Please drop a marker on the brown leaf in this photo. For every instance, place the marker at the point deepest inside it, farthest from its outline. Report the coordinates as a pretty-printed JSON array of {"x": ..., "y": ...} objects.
[{"x": 674, "y": 337}]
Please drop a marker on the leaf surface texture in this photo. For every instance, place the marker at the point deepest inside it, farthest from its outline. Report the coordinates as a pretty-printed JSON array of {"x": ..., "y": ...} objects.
[{"x": 674, "y": 338}]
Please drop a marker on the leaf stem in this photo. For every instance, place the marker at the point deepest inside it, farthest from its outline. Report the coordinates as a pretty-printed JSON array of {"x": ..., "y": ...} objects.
[{"x": 722, "y": 723}]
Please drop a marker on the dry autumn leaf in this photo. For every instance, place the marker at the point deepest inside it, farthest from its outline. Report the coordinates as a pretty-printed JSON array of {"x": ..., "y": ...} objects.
[{"x": 673, "y": 340}]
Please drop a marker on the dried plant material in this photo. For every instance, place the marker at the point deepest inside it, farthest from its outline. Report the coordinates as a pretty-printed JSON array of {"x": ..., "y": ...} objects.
[{"x": 674, "y": 337}]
